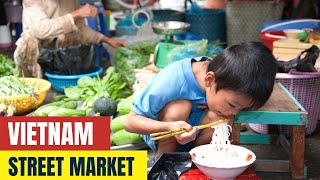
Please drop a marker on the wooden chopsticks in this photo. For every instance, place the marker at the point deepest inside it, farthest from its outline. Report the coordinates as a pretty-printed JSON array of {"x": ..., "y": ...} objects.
[{"x": 165, "y": 134}]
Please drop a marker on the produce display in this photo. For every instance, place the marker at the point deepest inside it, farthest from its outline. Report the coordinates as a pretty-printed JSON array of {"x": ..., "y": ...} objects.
[
  {"x": 106, "y": 96},
  {"x": 120, "y": 135},
  {"x": 110, "y": 95},
  {"x": 111, "y": 86}
]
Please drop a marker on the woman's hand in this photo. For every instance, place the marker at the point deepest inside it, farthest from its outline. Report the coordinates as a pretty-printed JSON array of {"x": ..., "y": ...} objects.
[
  {"x": 186, "y": 137},
  {"x": 85, "y": 11},
  {"x": 116, "y": 43},
  {"x": 113, "y": 42}
]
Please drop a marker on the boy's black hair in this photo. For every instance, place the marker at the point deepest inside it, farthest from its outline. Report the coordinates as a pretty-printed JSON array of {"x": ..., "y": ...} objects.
[{"x": 248, "y": 68}]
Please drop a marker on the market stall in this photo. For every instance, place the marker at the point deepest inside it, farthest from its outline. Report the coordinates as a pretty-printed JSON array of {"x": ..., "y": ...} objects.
[{"x": 103, "y": 81}]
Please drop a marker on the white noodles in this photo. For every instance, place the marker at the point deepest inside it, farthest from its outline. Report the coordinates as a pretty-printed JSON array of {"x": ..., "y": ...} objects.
[
  {"x": 220, "y": 152},
  {"x": 221, "y": 134}
]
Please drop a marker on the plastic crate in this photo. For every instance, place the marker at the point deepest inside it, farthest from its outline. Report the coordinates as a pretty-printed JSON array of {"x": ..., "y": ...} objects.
[{"x": 59, "y": 82}]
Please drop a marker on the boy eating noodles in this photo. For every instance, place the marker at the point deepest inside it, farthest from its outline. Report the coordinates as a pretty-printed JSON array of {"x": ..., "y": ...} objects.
[{"x": 201, "y": 90}]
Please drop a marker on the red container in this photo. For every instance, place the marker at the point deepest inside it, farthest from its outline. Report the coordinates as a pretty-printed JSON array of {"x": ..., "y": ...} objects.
[{"x": 269, "y": 37}]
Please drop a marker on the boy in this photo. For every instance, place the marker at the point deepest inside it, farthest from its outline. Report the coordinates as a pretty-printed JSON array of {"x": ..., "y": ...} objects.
[{"x": 198, "y": 91}]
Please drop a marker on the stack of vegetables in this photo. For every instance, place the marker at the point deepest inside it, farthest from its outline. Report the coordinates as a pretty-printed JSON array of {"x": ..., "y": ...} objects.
[
  {"x": 91, "y": 96},
  {"x": 7, "y": 66},
  {"x": 121, "y": 136}
]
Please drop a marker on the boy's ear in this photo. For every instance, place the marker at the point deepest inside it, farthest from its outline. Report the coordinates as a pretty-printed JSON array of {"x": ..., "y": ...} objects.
[{"x": 209, "y": 79}]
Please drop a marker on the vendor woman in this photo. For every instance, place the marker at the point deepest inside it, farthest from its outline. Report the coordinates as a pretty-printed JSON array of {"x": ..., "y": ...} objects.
[{"x": 54, "y": 24}]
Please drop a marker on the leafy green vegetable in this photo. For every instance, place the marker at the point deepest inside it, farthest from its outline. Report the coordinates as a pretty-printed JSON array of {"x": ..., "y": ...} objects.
[
  {"x": 7, "y": 66},
  {"x": 146, "y": 47},
  {"x": 86, "y": 82},
  {"x": 126, "y": 60}
]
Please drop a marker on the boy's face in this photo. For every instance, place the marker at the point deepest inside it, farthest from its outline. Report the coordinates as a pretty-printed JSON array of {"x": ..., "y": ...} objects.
[{"x": 224, "y": 102}]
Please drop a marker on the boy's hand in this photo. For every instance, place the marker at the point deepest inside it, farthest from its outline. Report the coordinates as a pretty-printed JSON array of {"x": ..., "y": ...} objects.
[{"x": 187, "y": 136}]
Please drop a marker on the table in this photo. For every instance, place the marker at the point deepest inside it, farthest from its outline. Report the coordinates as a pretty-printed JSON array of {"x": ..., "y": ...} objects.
[{"x": 281, "y": 109}]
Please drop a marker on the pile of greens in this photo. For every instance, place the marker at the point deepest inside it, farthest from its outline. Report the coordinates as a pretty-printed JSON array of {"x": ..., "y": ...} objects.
[
  {"x": 134, "y": 57},
  {"x": 90, "y": 89},
  {"x": 110, "y": 86},
  {"x": 7, "y": 66}
]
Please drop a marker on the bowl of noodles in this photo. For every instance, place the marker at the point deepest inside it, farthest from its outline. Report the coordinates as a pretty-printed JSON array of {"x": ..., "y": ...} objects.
[{"x": 221, "y": 160}]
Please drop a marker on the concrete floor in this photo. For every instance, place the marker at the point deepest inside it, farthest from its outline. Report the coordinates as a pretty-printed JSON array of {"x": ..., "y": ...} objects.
[{"x": 312, "y": 157}]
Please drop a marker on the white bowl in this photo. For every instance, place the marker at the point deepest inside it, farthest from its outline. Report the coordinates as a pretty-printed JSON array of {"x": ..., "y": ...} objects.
[{"x": 222, "y": 164}]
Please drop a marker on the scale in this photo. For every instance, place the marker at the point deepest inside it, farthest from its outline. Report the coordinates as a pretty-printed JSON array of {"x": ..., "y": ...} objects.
[{"x": 164, "y": 47}]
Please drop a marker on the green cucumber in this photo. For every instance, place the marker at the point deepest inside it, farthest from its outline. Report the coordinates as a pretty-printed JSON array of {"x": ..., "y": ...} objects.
[
  {"x": 123, "y": 137},
  {"x": 70, "y": 105},
  {"x": 58, "y": 103},
  {"x": 67, "y": 112},
  {"x": 45, "y": 111},
  {"x": 117, "y": 123}
]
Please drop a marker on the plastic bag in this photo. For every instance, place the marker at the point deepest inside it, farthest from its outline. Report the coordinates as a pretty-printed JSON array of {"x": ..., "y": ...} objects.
[
  {"x": 126, "y": 60},
  {"x": 306, "y": 64},
  {"x": 73, "y": 60},
  {"x": 170, "y": 166},
  {"x": 189, "y": 50},
  {"x": 145, "y": 47}
]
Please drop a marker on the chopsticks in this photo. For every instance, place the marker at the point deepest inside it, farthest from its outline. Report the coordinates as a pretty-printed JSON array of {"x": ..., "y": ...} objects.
[{"x": 165, "y": 134}]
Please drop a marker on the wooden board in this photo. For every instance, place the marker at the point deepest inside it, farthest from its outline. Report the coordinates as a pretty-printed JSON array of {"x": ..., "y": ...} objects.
[
  {"x": 281, "y": 109},
  {"x": 280, "y": 101},
  {"x": 289, "y": 43}
]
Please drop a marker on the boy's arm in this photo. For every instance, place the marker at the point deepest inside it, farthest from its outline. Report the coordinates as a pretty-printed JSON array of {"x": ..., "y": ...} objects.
[
  {"x": 142, "y": 125},
  {"x": 136, "y": 123}
]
